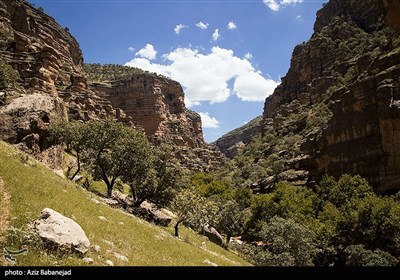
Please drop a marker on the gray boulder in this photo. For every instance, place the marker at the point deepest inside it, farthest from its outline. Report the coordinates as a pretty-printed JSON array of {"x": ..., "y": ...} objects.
[
  {"x": 153, "y": 214},
  {"x": 61, "y": 231},
  {"x": 213, "y": 235}
]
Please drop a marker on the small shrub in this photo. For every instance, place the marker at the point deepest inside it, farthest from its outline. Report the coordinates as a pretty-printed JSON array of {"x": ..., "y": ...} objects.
[{"x": 8, "y": 76}]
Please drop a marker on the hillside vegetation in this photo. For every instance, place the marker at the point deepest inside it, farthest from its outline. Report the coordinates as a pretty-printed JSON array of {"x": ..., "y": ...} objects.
[
  {"x": 31, "y": 187},
  {"x": 96, "y": 72}
]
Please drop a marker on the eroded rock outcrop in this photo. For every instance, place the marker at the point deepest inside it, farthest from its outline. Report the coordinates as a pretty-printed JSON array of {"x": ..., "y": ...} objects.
[
  {"x": 352, "y": 65},
  {"x": 25, "y": 122}
]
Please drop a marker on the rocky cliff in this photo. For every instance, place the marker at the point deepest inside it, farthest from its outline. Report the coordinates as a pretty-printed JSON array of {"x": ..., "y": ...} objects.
[
  {"x": 50, "y": 63},
  {"x": 51, "y": 84},
  {"x": 230, "y": 143},
  {"x": 351, "y": 65},
  {"x": 156, "y": 104}
]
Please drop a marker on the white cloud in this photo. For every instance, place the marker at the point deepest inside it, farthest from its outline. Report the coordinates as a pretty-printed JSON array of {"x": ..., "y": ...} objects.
[
  {"x": 207, "y": 121},
  {"x": 205, "y": 77},
  {"x": 179, "y": 27},
  {"x": 231, "y": 25},
  {"x": 202, "y": 25},
  {"x": 252, "y": 86},
  {"x": 216, "y": 35},
  {"x": 147, "y": 52},
  {"x": 131, "y": 49},
  {"x": 291, "y": 2},
  {"x": 248, "y": 56},
  {"x": 276, "y": 5},
  {"x": 272, "y": 4}
]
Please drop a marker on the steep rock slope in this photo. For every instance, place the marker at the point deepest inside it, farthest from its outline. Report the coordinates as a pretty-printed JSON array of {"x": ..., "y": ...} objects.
[
  {"x": 50, "y": 62},
  {"x": 230, "y": 143},
  {"x": 351, "y": 64},
  {"x": 47, "y": 58},
  {"x": 156, "y": 104}
]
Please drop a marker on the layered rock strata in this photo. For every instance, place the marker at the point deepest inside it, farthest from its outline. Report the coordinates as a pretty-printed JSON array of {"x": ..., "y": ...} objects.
[{"x": 351, "y": 64}]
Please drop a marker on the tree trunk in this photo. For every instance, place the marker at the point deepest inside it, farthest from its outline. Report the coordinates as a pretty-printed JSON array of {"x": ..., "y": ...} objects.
[
  {"x": 228, "y": 238},
  {"x": 177, "y": 227},
  {"x": 110, "y": 184},
  {"x": 78, "y": 167},
  {"x": 138, "y": 202}
]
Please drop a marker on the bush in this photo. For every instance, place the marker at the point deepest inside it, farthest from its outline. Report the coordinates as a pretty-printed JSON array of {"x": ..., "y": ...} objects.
[
  {"x": 347, "y": 189},
  {"x": 8, "y": 76},
  {"x": 285, "y": 243},
  {"x": 373, "y": 221},
  {"x": 359, "y": 256}
]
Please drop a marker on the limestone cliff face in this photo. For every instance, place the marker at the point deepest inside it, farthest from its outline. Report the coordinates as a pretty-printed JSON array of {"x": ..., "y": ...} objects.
[
  {"x": 352, "y": 65},
  {"x": 230, "y": 143},
  {"x": 156, "y": 104},
  {"x": 48, "y": 59},
  {"x": 52, "y": 85},
  {"x": 45, "y": 54},
  {"x": 50, "y": 64}
]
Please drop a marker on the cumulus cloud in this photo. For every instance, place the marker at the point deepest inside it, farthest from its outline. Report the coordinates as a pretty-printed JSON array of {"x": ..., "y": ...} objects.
[
  {"x": 272, "y": 4},
  {"x": 208, "y": 121},
  {"x": 231, "y": 25},
  {"x": 131, "y": 49},
  {"x": 147, "y": 52},
  {"x": 179, "y": 27},
  {"x": 276, "y": 5},
  {"x": 202, "y": 25},
  {"x": 252, "y": 86},
  {"x": 248, "y": 56},
  {"x": 216, "y": 35},
  {"x": 205, "y": 77}
]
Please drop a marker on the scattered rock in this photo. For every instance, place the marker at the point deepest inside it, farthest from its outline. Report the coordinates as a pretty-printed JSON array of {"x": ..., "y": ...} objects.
[
  {"x": 122, "y": 198},
  {"x": 120, "y": 257},
  {"x": 103, "y": 218},
  {"x": 121, "y": 223},
  {"x": 149, "y": 212},
  {"x": 95, "y": 200},
  {"x": 88, "y": 260},
  {"x": 109, "y": 263},
  {"x": 111, "y": 202},
  {"x": 78, "y": 178},
  {"x": 236, "y": 240},
  {"x": 110, "y": 243},
  {"x": 59, "y": 172},
  {"x": 61, "y": 231},
  {"x": 96, "y": 248},
  {"x": 210, "y": 263},
  {"x": 213, "y": 235}
]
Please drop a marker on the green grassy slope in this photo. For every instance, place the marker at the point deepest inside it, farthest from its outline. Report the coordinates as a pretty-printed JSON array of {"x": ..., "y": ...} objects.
[{"x": 33, "y": 187}]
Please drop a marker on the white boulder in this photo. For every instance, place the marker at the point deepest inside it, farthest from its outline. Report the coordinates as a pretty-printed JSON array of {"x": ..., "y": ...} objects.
[{"x": 61, "y": 231}]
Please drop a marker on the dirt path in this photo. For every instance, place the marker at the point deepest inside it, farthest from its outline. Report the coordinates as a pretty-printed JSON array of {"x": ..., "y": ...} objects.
[
  {"x": 4, "y": 209},
  {"x": 4, "y": 216}
]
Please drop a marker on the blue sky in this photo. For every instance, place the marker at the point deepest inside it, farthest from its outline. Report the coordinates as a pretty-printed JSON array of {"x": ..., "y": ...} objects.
[{"x": 228, "y": 55}]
